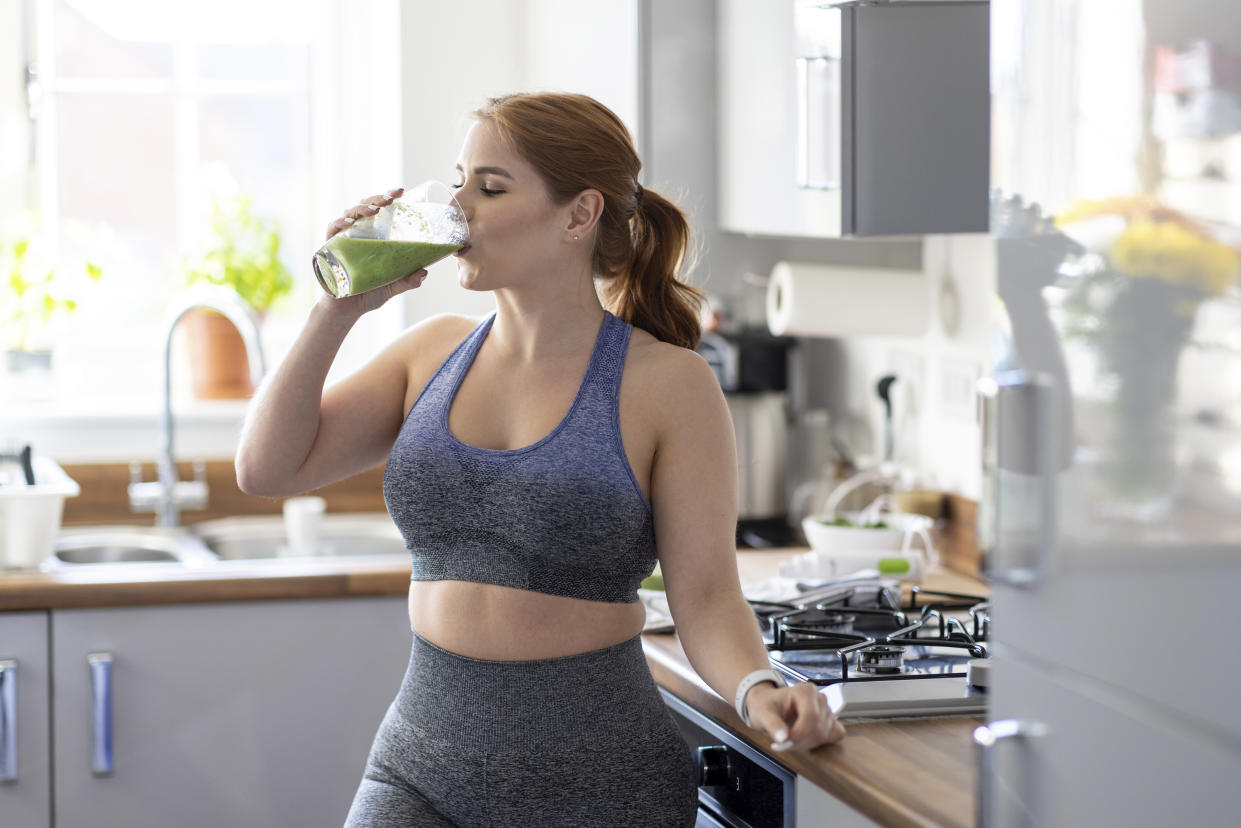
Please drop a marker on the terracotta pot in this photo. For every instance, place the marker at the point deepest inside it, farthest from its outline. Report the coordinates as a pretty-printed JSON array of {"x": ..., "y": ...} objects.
[{"x": 218, "y": 364}]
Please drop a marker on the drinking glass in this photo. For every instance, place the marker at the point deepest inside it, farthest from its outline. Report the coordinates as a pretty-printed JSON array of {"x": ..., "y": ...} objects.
[{"x": 416, "y": 230}]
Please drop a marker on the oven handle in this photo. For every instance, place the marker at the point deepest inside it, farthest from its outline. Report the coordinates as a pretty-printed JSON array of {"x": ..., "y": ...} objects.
[{"x": 986, "y": 738}]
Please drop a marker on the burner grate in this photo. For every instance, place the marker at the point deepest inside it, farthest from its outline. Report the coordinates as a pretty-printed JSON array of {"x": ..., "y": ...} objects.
[{"x": 864, "y": 633}]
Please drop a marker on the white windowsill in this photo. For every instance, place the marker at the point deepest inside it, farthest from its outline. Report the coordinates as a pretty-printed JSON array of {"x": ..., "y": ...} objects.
[{"x": 121, "y": 431}]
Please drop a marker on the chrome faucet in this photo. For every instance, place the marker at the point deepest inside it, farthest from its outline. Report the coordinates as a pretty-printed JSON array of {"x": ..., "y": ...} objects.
[{"x": 166, "y": 495}]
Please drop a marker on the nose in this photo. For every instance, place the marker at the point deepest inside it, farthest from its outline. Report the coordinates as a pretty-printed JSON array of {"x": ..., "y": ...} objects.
[{"x": 465, "y": 202}]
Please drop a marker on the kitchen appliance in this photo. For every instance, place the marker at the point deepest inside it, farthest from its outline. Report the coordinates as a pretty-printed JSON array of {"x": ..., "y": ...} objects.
[
  {"x": 738, "y": 785},
  {"x": 873, "y": 656},
  {"x": 876, "y": 656},
  {"x": 752, "y": 368},
  {"x": 1112, "y": 426}
]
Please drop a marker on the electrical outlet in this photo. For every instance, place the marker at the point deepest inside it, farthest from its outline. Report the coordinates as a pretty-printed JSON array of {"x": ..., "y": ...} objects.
[{"x": 957, "y": 384}]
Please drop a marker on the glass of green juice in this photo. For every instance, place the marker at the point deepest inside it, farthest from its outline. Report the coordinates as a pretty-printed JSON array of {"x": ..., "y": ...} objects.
[{"x": 416, "y": 230}]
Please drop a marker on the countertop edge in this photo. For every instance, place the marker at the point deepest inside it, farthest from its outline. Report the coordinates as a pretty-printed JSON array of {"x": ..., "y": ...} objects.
[{"x": 672, "y": 672}]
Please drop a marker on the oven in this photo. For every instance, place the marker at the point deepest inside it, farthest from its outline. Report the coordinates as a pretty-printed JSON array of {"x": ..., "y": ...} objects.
[
  {"x": 872, "y": 653},
  {"x": 739, "y": 786}
]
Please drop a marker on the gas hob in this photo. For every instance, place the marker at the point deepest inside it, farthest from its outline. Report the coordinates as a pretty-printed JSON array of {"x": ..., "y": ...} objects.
[{"x": 876, "y": 657}]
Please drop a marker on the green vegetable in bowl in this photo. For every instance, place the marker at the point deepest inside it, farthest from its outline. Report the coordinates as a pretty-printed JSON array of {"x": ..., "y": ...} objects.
[{"x": 845, "y": 522}]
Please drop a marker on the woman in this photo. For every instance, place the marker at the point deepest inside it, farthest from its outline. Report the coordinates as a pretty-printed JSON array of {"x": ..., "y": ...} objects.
[{"x": 536, "y": 462}]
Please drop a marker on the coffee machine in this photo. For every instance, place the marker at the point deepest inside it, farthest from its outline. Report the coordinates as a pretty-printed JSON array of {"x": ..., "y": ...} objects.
[{"x": 752, "y": 368}]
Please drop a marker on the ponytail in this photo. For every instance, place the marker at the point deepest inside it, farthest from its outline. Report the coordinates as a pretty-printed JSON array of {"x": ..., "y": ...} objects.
[
  {"x": 576, "y": 143},
  {"x": 646, "y": 292}
]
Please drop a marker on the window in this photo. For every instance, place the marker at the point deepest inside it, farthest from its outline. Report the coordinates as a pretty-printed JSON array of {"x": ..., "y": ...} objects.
[{"x": 144, "y": 111}]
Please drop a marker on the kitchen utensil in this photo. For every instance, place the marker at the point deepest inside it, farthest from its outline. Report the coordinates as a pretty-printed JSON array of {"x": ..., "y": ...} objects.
[
  {"x": 23, "y": 458},
  {"x": 416, "y": 230}
]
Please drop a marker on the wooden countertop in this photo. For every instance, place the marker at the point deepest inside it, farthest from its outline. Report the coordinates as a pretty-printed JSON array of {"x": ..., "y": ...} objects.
[
  {"x": 915, "y": 772},
  {"x": 901, "y": 773},
  {"x": 243, "y": 580}
]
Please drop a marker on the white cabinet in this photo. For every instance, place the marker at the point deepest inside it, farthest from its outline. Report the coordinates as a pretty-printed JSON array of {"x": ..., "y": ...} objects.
[
  {"x": 25, "y": 682},
  {"x": 246, "y": 713},
  {"x": 852, "y": 120}
]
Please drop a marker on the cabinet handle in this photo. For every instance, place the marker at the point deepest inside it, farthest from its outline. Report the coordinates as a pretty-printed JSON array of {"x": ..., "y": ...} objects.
[
  {"x": 8, "y": 720},
  {"x": 986, "y": 737},
  {"x": 818, "y": 104},
  {"x": 101, "y": 709}
]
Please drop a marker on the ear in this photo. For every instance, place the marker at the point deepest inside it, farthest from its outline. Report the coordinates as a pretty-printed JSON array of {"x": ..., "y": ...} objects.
[{"x": 584, "y": 213}]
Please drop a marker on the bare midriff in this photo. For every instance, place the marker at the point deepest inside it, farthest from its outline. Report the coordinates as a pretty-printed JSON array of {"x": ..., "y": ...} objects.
[{"x": 498, "y": 623}]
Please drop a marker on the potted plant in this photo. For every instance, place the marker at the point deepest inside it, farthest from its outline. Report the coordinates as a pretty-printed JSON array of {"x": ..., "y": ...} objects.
[
  {"x": 243, "y": 253},
  {"x": 37, "y": 295}
]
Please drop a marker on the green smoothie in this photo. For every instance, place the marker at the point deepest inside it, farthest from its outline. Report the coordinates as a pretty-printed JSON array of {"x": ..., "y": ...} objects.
[{"x": 355, "y": 266}]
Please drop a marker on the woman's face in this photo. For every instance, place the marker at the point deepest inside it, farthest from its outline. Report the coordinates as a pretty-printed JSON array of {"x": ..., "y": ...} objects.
[{"x": 515, "y": 230}]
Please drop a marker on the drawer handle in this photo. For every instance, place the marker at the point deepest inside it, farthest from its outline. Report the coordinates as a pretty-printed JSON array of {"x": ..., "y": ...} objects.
[
  {"x": 986, "y": 737},
  {"x": 101, "y": 713},
  {"x": 8, "y": 720}
]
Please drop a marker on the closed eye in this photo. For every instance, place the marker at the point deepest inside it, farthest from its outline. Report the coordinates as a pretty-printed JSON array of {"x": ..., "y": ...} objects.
[{"x": 487, "y": 191}]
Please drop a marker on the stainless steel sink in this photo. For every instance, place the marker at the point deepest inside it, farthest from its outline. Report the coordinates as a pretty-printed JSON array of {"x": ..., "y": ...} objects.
[
  {"x": 263, "y": 536},
  {"x": 126, "y": 545}
]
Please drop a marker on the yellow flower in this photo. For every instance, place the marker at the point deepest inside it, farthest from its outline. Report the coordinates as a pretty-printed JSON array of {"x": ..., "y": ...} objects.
[{"x": 1173, "y": 252}]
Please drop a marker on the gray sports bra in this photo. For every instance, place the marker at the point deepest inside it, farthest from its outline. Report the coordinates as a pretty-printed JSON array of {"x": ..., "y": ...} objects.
[{"x": 562, "y": 516}]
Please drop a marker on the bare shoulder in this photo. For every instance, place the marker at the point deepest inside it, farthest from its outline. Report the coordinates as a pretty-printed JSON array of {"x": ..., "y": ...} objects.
[
  {"x": 422, "y": 347},
  {"x": 435, "y": 335},
  {"x": 671, "y": 378}
]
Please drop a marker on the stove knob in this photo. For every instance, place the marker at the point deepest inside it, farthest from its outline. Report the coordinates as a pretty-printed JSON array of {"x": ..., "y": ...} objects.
[
  {"x": 714, "y": 765},
  {"x": 978, "y": 672}
]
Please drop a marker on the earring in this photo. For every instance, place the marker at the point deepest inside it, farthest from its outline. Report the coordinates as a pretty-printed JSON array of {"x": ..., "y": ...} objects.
[{"x": 575, "y": 238}]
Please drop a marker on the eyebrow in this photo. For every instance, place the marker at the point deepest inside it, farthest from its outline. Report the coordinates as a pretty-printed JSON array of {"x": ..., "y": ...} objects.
[{"x": 489, "y": 171}]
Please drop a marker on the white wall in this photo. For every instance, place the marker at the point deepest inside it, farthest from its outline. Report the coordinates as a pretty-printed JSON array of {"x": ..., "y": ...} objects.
[{"x": 457, "y": 53}]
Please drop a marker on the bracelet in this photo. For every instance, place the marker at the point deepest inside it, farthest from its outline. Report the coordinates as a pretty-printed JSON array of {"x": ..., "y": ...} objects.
[{"x": 749, "y": 681}]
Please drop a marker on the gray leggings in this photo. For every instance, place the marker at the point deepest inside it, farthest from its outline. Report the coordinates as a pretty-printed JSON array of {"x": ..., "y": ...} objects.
[{"x": 584, "y": 740}]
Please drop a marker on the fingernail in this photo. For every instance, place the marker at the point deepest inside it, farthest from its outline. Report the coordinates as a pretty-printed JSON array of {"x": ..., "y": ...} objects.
[
  {"x": 348, "y": 220},
  {"x": 781, "y": 746},
  {"x": 782, "y": 735}
]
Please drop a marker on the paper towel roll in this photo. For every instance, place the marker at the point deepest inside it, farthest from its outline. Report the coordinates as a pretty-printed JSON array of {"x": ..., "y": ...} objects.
[{"x": 822, "y": 300}]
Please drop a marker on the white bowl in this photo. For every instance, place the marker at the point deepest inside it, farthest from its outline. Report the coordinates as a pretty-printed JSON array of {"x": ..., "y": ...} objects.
[{"x": 834, "y": 540}]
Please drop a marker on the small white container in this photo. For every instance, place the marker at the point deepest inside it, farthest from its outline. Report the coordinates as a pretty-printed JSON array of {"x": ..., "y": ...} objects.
[
  {"x": 303, "y": 518},
  {"x": 30, "y": 515}
]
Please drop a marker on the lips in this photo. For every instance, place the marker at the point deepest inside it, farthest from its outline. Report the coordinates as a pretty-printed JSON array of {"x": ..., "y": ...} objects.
[{"x": 463, "y": 250}]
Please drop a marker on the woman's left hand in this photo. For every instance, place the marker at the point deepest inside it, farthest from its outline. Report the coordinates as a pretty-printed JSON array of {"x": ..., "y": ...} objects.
[{"x": 795, "y": 717}]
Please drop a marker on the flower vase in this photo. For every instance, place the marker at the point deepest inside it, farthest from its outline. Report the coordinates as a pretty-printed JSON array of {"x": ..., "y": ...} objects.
[
  {"x": 219, "y": 367},
  {"x": 1150, "y": 324}
]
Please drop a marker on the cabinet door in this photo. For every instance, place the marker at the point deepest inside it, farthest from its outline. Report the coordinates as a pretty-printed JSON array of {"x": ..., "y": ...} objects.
[
  {"x": 25, "y": 792},
  {"x": 255, "y": 714},
  {"x": 757, "y": 126},
  {"x": 1107, "y": 757}
]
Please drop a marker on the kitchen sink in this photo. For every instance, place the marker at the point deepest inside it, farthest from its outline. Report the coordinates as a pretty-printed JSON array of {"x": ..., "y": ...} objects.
[
  {"x": 235, "y": 538},
  {"x": 125, "y": 545},
  {"x": 263, "y": 536}
]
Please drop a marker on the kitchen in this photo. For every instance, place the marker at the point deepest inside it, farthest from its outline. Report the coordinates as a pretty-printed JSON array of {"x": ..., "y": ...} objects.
[{"x": 1090, "y": 735}]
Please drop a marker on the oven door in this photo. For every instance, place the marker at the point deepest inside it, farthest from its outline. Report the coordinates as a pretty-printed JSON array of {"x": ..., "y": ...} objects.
[{"x": 739, "y": 786}]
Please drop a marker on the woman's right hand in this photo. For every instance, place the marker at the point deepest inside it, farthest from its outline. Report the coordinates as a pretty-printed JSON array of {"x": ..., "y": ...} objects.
[{"x": 372, "y": 299}]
